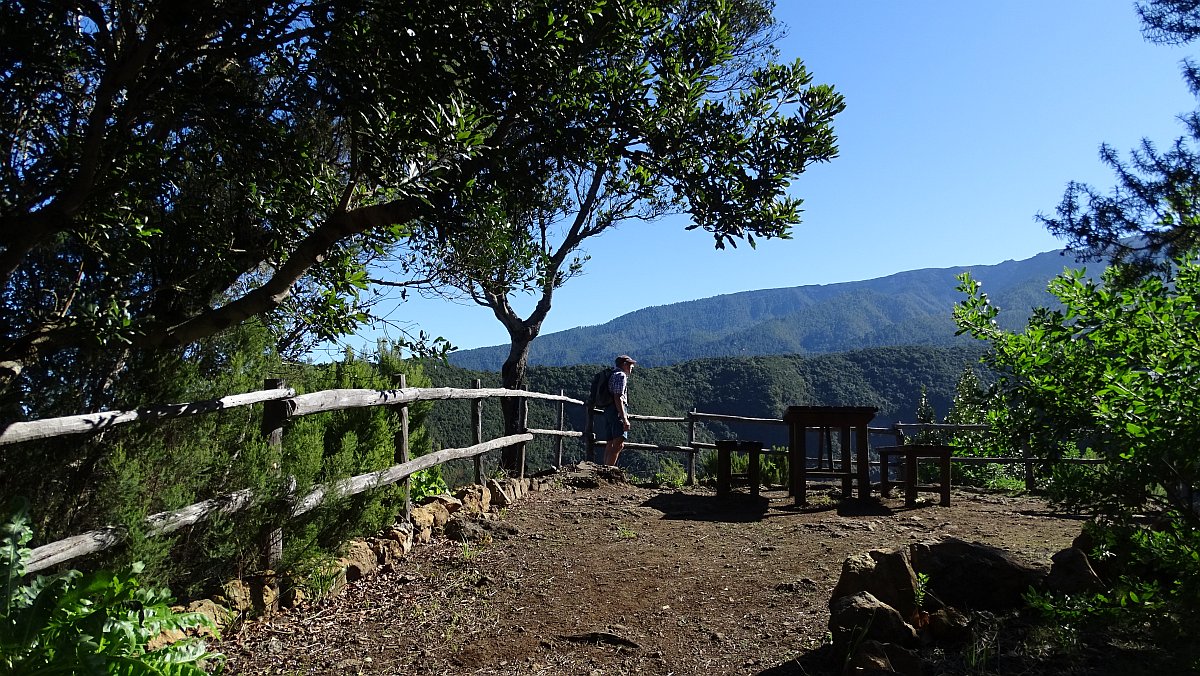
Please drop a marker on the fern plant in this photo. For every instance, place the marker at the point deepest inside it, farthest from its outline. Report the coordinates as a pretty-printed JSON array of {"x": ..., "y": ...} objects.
[{"x": 95, "y": 623}]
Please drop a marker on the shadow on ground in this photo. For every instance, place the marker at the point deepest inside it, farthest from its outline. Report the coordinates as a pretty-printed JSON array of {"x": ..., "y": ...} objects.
[
  {"x": 737, "y": 508},
  {"x": 810, "y": 663}
]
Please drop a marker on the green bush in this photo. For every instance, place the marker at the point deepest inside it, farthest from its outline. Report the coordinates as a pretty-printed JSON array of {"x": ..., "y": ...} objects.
[
  {"x": 96, "y": 623},
  {"x": 670, "y": 473}
]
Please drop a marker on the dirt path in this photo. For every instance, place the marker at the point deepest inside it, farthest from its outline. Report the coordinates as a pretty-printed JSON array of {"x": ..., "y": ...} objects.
[{"x": 624, "y": 580}]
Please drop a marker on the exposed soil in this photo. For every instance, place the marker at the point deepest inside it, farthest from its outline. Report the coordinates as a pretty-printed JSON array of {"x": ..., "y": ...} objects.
[{"x": 622, "y": 580}]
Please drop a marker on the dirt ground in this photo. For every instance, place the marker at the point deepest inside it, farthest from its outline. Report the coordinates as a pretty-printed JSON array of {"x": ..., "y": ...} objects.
[{"x": 628, "y": 580}]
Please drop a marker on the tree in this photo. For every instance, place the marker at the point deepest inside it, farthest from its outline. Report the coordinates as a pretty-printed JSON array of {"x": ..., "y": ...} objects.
[
  {"x": 691, "y": 113},
  {"x": 1115, "y": 373},
  {"x": 172, "y": 170},
  {"x": 1153, "y": 213}
]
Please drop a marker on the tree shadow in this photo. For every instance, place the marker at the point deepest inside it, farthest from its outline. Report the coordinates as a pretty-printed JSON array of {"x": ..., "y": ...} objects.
[
  {"x": 809, "y": 663},
  {"x": 735, "y": 508}
]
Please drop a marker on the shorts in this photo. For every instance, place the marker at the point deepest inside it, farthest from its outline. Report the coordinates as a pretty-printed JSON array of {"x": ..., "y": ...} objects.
[{"x": 609, "y": 426}]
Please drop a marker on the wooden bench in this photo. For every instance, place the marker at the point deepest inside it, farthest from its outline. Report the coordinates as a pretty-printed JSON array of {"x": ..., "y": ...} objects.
[
  {"x": 911, "y": 454},
  {"x": 725, "y": 476}
]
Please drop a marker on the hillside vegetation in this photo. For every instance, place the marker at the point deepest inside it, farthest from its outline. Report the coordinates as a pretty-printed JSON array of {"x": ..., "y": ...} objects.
[
  {"x": 890, "y": 378},
  {"x": 907, "y": 308}
]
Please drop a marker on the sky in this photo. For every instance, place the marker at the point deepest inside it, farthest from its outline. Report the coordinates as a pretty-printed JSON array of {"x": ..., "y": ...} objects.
[{"x": 963, "y": 121}]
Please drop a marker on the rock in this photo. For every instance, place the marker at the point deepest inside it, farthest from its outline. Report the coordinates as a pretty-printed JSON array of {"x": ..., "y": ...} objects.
[
  {"x": 502, "y": 493},
  {"x": 476, "y": 498},
  {"x": 219, "y": 615},
  {"x": 165, "y": 639},
  {"x": 467, "y": 530},
  {"x": 265, "y": 591},
  {"x": 236, "y": 594},
  {"x": 1071, "y": 573},
  {"x": 969, "y": 575},
  {"x": 591, "y": 475},
  {"x": 423, "y": 535},
  {"x": 518, "y": 487},
  {"x": 403, "y": 534},
  {"x": 888, "y": 576},
  {"x": 359, "y": 560},
  {"x": 947, "y": 626},
  {"x": 258, "y": 594},
  {"x": 874, "y": 657},
  {"x": 434, "y": 515},
  {"x": 860, "y": 617},
  {"x": 421, "y": 519},
  {"x": 388, "y": 550},
  {"x": 451, "y": 503},
  {"x": 332, "y": 573},
  {"x": 292, "y": 597}
]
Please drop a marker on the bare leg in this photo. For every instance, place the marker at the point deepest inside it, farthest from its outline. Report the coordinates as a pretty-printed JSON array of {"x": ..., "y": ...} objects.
[{"x": 612, "y": 450}]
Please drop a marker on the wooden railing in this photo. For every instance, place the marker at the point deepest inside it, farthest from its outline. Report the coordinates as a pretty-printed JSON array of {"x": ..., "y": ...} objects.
[{"x": 282, "y": 403}]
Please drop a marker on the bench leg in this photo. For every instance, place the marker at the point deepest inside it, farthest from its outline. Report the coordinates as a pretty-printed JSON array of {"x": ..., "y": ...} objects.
[
  {"x": 885, "y": 483},
  {"x": 724, "y": 471},
  {"x": 945, "y": 463},
  {"x": 910, "y": 480},
  {"x": 754, "y": 471}
]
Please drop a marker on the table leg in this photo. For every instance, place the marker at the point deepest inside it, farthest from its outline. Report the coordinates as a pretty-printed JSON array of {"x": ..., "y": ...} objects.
[{"x": 864, "y": 469}]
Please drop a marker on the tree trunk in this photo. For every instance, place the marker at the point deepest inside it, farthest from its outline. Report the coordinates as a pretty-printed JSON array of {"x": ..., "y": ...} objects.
[{"x": 512, "y": 376}]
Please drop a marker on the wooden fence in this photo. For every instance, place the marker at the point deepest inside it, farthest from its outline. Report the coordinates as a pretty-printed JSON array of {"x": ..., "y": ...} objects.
[{"x": 282, "y": 403}]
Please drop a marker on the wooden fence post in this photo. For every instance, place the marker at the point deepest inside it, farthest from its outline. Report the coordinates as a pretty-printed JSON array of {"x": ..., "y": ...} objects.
[
  {"x": 523, "y": 413},
  {"x": 402, "y": 450},
  {"x": 691, "y": 442},
  {"x": 274, "y": 416},
  {"x": 477, "y": 426},
  {"x": 589, "y": 433},
  {"x": 562, "y": 421},
  {"x": 1030, "y": 484}
]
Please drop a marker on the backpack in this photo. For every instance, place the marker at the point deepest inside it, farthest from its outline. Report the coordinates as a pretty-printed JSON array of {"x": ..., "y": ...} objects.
[{"x": 601, "y": 395}]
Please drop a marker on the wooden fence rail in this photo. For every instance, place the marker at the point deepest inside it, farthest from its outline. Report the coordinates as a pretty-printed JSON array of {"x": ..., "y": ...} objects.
[{"x": 283, "y": 403}]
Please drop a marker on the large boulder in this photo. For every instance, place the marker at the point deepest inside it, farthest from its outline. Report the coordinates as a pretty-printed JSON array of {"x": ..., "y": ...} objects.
[
  {"x": 888, "y": 576},
  {"x": 971, "y": 575},
  {"x": 862, "y": 617}
]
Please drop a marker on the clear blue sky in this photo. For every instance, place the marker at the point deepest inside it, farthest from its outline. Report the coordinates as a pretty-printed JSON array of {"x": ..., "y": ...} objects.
[{"x": 964, "y": 120}]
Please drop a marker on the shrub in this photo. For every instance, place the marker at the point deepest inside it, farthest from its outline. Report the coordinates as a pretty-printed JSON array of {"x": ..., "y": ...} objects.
[{"x": 98, "y": 622}]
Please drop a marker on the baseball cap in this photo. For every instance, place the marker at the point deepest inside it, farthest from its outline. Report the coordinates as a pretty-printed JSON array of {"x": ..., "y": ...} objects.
[{"x": 626, "y": 359}]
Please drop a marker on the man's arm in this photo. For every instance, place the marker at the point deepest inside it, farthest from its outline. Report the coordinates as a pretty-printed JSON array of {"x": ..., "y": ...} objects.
[{"x": 619, "y": 402}]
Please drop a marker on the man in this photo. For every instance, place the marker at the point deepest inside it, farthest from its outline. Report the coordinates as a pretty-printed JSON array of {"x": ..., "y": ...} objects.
[{"x": 616, "y": 414}]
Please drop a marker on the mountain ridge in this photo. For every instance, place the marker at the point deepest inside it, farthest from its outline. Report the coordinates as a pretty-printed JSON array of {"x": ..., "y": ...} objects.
[{"x": 912, "y": 307}]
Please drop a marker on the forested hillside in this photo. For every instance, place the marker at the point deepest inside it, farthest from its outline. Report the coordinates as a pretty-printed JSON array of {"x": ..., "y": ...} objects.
[
  {"x": 889, "y": 378},
  {"x": 907, "y": 308}
]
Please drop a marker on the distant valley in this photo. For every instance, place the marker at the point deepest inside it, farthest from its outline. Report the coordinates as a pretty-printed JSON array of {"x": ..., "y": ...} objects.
[{"x": 907, "y": 308}]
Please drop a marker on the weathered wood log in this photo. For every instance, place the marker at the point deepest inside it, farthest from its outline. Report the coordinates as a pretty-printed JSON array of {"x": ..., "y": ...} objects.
[
  {"x": 336, "y": 400},
  {"x": 95, "y": 422},
  {"x": 167, "y": 522},
  {"x": 736, "y": 418},
  {"x": 74, "y": 546},
  {"x": 557, "y": 433},
  {"x": 156, "y": 524},
  {"x": 657, "y": 418},
  {"x": 363, "y": 482},
  {"x": 942, "y": 426}
]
